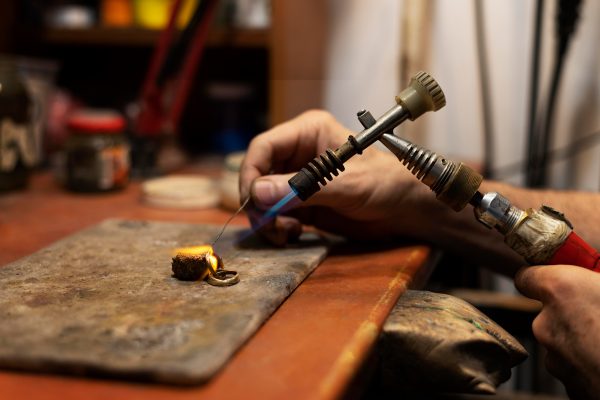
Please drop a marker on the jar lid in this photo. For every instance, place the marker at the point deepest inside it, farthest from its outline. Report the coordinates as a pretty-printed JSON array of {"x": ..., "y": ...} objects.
[
  {"x": 233, "y": 161},
  {"x": 96, "y": 120},
  {"x": 181, "y": 191}
]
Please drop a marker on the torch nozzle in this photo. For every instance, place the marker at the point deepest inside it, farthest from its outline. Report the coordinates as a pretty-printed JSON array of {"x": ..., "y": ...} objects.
[{"x": 454, "y": 183}]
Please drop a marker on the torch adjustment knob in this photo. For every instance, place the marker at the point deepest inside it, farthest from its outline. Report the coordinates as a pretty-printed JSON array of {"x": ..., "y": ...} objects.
[{"x": 423, "y": 94}]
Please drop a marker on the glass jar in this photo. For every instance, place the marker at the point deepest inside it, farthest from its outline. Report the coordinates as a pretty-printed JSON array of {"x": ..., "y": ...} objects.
[
  {"x": 17, "y": 146},
  {"x": 96, "y": 152}
]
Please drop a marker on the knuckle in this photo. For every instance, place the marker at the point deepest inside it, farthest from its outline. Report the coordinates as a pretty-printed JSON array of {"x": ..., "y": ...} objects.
[
  {"x": 522, "y": 278},
  {"x": 320, "y": 120},
  {"x": 530, "y": 282},
  {"x": 558, "y": 286},
  {"x": 549, "y": 283},
  {"x": 317, "y": 115},
  {"x": 541, "y": 330},
  {"x": 257, "y": 140}
]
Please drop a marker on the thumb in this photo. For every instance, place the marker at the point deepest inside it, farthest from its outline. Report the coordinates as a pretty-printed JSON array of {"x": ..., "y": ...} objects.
[{"x": 266, "y": 191}]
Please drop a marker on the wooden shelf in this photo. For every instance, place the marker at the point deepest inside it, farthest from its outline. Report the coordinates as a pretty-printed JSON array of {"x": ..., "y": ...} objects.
[
  {"x": 105, "y": 36},
  {"x": 295, "y": 42}
]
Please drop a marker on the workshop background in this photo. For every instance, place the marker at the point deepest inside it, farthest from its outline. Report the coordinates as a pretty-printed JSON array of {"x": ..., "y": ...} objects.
[
  {"x": 370, "y": 52},
  {"x": 265, "y": 62},
  {"x": 266, "y": 66}
]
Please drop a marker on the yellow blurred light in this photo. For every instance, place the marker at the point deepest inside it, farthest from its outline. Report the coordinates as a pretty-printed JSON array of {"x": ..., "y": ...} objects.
[
  {"x": 214, "y": 262},
  {"x": 195, "y": 250}
]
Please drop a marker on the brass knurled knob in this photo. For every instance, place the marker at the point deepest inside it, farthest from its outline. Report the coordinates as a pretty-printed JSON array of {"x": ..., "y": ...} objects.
[{"x": 423, "y": 94}]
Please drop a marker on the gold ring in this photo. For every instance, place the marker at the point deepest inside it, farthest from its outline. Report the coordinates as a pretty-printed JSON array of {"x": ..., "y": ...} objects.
[{"x": 223, "y": 277}]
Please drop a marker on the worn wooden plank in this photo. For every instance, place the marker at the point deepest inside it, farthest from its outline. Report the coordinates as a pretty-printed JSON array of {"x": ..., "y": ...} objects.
[
  {"x": 103, "y": 301},
  {"x": 290, "y": 357}
]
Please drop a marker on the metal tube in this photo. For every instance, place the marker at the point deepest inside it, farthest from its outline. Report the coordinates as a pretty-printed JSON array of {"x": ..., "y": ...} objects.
[
  {"x": 386, "y": 123},
  {"x": 422, "y": 95}
]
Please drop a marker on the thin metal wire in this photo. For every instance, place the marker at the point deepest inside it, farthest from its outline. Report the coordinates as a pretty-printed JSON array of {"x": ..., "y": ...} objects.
[{"x": 239, "y": 210}]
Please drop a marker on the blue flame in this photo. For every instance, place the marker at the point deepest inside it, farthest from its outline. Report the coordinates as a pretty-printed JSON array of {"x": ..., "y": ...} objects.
[
  {"x": 288, "y": 202},
  {"x": 281, "y": 205}
]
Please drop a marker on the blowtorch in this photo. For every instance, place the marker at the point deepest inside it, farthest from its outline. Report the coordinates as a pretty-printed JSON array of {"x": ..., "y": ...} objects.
[{"x": 543, "y": 236}]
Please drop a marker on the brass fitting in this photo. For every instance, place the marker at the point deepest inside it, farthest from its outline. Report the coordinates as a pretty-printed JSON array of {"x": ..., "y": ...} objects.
[{"x": 422, "y": 94}]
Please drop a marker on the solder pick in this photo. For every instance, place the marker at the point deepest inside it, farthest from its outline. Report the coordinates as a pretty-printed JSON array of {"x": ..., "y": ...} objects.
[{"x": 239, "y": 210}]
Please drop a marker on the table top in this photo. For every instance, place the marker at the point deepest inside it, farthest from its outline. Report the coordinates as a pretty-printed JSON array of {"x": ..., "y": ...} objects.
[{"x": 312, "y": 347}]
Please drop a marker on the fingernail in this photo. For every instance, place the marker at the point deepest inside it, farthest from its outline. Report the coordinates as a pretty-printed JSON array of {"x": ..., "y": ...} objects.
[{"x": 265, "y": 193}]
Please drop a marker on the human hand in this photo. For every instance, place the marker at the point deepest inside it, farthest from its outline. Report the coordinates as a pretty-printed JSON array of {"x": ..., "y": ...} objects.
[
  {"x": 373, "y": 198},
  {"x": 568, "y": 325}
]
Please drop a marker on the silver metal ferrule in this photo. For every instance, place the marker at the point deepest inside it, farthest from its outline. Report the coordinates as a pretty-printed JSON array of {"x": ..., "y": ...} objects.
[{"x": 496, "y": 211}]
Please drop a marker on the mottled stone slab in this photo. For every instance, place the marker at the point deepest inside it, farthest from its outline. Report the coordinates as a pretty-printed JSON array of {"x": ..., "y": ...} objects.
[
  {"x": 103, "y": 302},
  {"x": 435, "y": 343}
]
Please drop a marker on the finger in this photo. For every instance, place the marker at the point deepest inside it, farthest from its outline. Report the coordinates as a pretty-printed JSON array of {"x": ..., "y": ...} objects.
[
  {"x": 550, "y": 283},
  {"x": 535, "y": 282},
  {"x": 281, "y": 230},
  {"x": 320, "y": 210},
  {"x": 278, "y": 231},
  {"x": 525, "y": 282},
  {"x": 269, "y": 190},
  {"x": 289, "y": 146},
  {"x": 342, "y": 194},
  {"x": 544, "y": 330},
  {"x": 288, "y": 229},
  {"x": 266, "y": 192}
]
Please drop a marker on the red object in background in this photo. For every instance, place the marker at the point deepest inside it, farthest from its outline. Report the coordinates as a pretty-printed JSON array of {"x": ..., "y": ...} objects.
[
  {"x": 116, "y": 13},
  {"x": 157, "y": 114},
  {"x": 97, "y": 152},
  {"x": 61, "y": 105},
  {"x": 95, "y": 121},
  {"x": 575, "y": 251}
]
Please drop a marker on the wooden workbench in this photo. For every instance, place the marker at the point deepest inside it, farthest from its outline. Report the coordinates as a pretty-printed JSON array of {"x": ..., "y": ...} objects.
[{"x": 311, "y": 348}]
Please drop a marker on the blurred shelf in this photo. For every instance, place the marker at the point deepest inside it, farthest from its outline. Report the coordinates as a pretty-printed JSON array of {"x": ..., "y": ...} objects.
[{"x": 108, "y": 36}]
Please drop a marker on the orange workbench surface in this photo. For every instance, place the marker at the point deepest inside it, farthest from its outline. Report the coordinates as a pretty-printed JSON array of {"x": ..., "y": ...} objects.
[{"x": 311, "y": 348}]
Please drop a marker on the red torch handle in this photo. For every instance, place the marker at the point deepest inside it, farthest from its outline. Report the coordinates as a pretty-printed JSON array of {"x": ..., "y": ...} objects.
[{"x": 575, "y": 251}]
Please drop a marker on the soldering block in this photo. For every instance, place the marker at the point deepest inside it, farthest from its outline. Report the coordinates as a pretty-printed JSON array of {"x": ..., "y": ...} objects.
[{"x": 102, "y": 302}]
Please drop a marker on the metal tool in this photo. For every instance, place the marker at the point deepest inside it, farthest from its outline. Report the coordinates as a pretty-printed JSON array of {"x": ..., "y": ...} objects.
[
  {"x": 174, "y": 63},
  {"x": 423, "y": 94},
  {"x": 541, "y": 236}
]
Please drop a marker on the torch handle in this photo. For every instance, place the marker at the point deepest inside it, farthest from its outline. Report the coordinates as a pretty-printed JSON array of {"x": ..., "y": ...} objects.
[{"x": 575, "y": 251}]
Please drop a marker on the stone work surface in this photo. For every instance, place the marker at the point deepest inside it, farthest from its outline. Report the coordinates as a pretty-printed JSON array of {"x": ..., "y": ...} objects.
[
  {"x": 104, "y": 302},
  {"x": 436, "y": 343}
]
